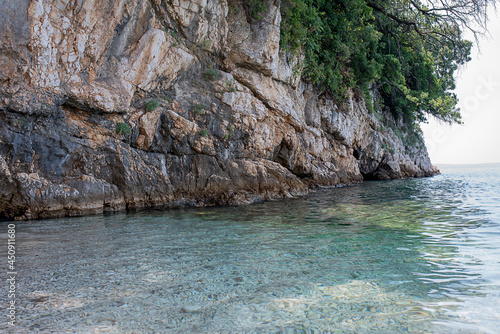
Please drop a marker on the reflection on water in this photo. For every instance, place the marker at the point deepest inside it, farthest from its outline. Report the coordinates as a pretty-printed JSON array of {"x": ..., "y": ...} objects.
[{"x": 419, "y": 256}]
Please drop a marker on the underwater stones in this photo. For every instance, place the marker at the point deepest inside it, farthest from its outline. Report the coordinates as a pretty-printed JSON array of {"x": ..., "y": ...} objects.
[{"x": 191, "y": 309}]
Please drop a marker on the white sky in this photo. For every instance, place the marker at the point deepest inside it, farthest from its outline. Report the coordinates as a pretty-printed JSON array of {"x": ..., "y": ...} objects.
[{"x": 478, "y": 89}]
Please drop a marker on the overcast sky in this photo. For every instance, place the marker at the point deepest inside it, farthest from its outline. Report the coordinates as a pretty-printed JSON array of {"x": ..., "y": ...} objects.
[{"x": 478, "y": 88}]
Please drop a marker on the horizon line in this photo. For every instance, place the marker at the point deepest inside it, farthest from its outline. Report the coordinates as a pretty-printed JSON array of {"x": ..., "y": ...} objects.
[{"x": 467, "y": 164}]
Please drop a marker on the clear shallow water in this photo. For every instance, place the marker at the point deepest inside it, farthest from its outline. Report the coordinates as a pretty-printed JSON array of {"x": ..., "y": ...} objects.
[{"x": 418, "y": 256}]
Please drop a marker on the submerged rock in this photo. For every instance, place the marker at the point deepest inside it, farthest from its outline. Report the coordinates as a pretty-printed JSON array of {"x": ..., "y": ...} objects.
[
  {"x": 191, "y": 309},
  {"x": 232, "y": 122}
]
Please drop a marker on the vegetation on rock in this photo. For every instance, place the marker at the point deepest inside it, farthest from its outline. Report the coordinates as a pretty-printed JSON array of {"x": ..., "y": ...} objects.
[
  {"x": 123, "y": 129},
  {"x": 211, "y": 74},
  {"x": 151, "y": 105},
  {"x": 199, "y": 108},
  {"x": 407, "y": 50}
]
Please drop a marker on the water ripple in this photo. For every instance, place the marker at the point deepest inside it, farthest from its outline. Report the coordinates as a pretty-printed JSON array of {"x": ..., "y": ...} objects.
[{"x": 418, "y": 256}]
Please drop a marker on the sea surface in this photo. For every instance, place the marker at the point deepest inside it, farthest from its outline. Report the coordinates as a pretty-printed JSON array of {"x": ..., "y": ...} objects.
[{"x": 415, "y": 256}]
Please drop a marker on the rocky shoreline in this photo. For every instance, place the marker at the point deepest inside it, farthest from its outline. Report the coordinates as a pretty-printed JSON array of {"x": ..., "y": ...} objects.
[{"x": 121, "y": 105}]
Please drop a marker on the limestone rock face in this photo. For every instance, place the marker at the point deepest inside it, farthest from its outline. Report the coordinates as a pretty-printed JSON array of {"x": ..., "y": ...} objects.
[{"x": 232, "y": 123}]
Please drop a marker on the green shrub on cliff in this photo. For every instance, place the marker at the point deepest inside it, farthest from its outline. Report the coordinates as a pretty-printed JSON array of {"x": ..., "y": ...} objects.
[
  {"x": 151, "y": 105},
  {"x": 199, "y": 108},
  {"x": 123, "y": 129},
  {"x": 211, "y": 74},
  {"x": 230, "y": 86},
  {"x": 407, "y": 50}
]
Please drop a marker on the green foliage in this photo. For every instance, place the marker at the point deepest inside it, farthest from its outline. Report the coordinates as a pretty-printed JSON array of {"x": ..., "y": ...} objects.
[
  {"x": 175, "y": 35},
  {"x": 230, "y": 87},
  {"x": 198, "y": 108},
  {"x": 337, "y": 40},
  {"x": 257, "y": 7},
  {"x": 151, "y": 105},
  {"x": 205, "y": 45},
  {"x": 418, "y": 74},
  {"x": 414, "y": 137},
  {"x": 21, "y": 122},
  {"x": 406, "y": 51},
  {"x": 388, "y": 148},
  {"x": 204, "y": 133},
  {"x": 211, "y": 74},
  {"x": 123, "y": 129}
]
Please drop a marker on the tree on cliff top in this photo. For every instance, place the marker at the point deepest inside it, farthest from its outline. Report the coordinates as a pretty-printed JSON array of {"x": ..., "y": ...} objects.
[{"x": 408, "y": 50}]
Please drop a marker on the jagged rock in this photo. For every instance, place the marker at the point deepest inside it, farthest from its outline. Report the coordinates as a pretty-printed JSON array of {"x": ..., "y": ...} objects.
[
  {"x": 254, "y": 43},
  {"x": 275, "y": 95},
  {"x": 148, "y": 126},
  {"x": 155, "y": 55},
  {"x": 234, "y": 123}
]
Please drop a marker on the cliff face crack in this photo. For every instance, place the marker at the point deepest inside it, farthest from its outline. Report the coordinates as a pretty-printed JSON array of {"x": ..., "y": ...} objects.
[
  {"x": 356, "y": 153},
  {"x": 163, "y": 15},
  {"x": 255, "y": 93},
  {"x": 286, "y": 116}
]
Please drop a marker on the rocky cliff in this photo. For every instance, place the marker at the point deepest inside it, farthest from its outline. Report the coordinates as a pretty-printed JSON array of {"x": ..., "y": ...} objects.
[{"x": 108, "y": 105}]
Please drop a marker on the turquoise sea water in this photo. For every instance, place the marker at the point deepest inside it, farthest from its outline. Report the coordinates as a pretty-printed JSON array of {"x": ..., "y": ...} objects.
[{"x": 417, "y": 256}]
